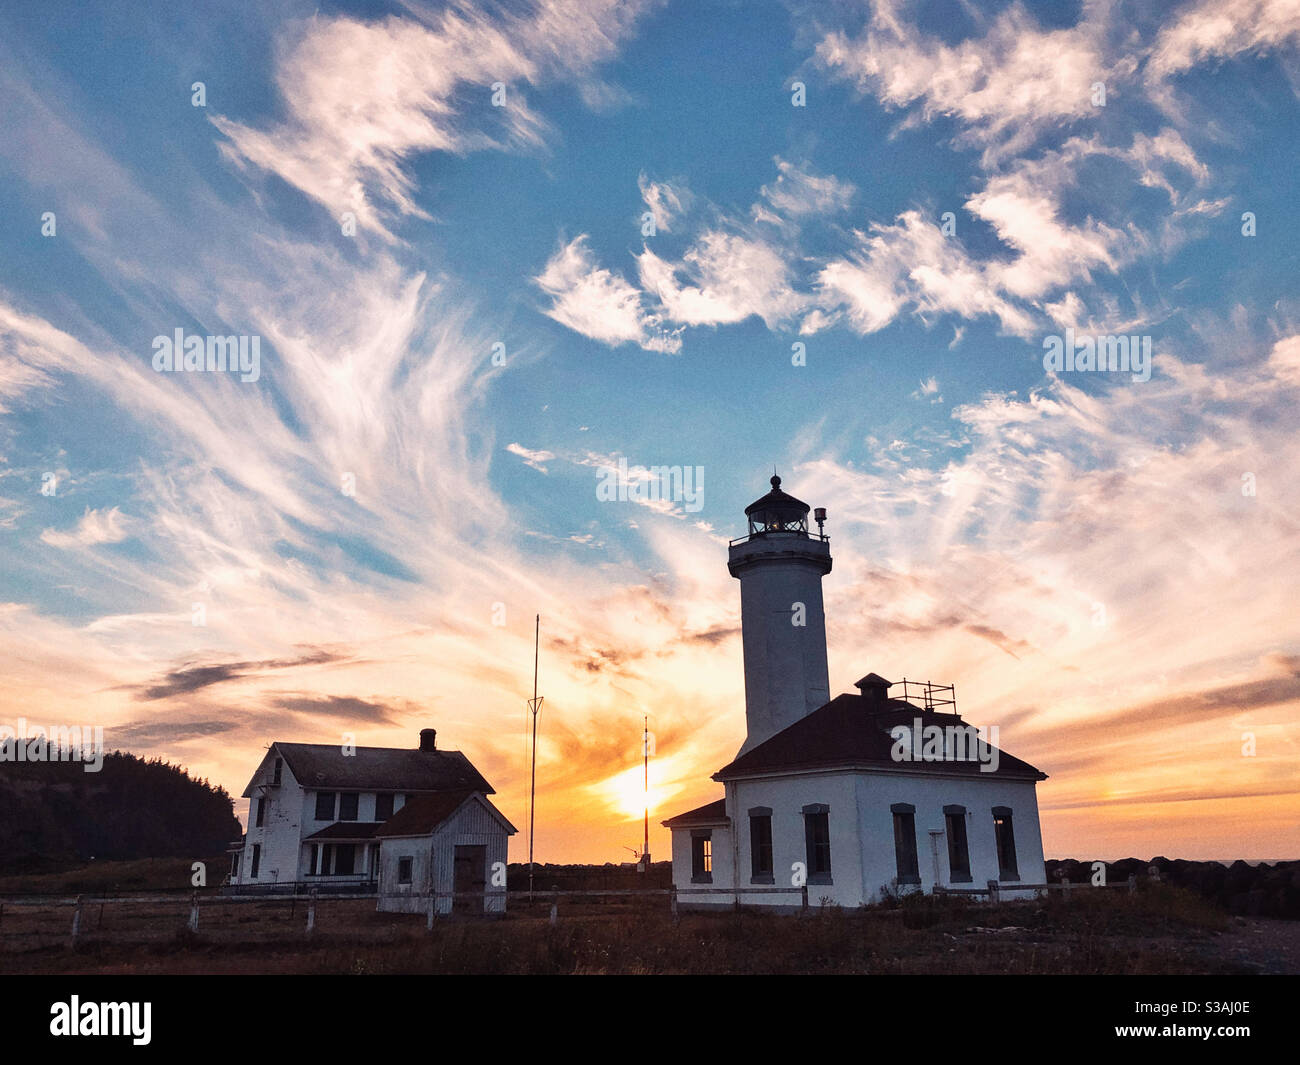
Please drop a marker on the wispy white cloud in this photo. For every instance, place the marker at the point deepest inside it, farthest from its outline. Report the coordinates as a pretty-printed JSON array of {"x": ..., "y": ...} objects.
[
  {"x": 729, "y": 277},
  {"x": 598, "y": 303},
  {"x": 534, "y": 459},
  {"x": 1005, "y": 86},
  {"x": 666, "y": 200},
  {"x": 798, "y": 191},
  {"x": 929, "y": 391},
  {"x": 95, "y": 527},
  {"x": 361, "y": 98},
  {"x": 1217, "y": 29},
  {"x": 911, "y": 264}
]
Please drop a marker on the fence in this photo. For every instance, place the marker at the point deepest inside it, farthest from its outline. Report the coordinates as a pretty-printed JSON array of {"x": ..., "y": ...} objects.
[{"x": 33, "y": 922}]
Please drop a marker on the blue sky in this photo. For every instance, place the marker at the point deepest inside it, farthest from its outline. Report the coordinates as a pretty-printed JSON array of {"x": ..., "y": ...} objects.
[{"x": 1077, "y": 551}]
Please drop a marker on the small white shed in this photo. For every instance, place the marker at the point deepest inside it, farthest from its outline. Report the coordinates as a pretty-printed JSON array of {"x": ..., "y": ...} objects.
[{"x": 452, "y": 844}]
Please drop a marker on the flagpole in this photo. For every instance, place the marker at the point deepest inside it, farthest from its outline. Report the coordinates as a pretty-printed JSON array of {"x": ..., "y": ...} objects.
[
  {"x": 645, "y": 747},
  {"x": 534, "y": 704}
]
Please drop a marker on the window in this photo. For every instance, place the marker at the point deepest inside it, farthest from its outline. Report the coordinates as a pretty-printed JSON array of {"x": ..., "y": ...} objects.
[
  {"x": 279, "y": 767},
  {"x": 311, "y": 860},
  {"x": 817, "y": 837},
  {"x": 261, "y": 812},
  {"x": 760, "y": 845},
  {"x": 257, "y": 861},
  {"x": 404, "y": 870},
  {"x": 1006, "y": 839},
  {"x": 325, "y": 806},
  {"x": 905, "y": 843},
  {"x": 958, "y": 848},
  {"x": 701, "y": 858},
  {"x": 344, "y": 858},
  {"x": 234, "y": 865},
  {"x": 348, "y": 803},
  {"x": 383, "y": 807}
]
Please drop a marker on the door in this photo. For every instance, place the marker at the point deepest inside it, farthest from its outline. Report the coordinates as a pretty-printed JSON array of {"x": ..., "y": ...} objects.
[{"x": 470, "y": 880}]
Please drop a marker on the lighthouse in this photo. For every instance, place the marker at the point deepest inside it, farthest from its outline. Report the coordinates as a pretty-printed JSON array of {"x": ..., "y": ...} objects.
[
  {"x": 780, "y": 566},
  {"x": 826, "y": 785}
]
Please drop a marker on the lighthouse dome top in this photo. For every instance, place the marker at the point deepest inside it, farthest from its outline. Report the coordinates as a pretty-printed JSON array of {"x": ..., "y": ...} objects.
[{"x": 777, "y": 511}]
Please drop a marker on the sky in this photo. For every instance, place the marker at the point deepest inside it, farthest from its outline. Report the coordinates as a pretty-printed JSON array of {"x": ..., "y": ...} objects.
[{"x": 490, "y": 251}]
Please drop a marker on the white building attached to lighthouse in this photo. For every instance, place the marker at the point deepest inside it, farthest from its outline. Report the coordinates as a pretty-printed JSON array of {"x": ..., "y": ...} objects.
[{"x": 853, "y": 796}]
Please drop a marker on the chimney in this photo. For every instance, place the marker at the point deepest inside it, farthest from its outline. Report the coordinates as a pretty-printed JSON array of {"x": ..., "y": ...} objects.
[
  {"x": 428, "y": 739},
  {"x": 875, "y": 690}
]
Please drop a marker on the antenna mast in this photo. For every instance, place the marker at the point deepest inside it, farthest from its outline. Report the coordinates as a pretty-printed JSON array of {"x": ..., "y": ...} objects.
[
  {"x": 645, "y": 747},
  {"x": 534, "y": 704}
]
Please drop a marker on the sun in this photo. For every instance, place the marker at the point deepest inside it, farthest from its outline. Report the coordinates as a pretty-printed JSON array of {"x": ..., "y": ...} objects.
[{"x": 625, "y": 793}]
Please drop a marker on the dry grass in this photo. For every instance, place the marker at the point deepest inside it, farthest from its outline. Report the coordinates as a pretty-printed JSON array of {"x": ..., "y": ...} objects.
[{"x": 1159, "y": 930}]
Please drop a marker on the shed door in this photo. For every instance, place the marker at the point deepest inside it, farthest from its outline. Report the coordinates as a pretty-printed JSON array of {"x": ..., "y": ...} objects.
[{"x": 470, "y": 878}]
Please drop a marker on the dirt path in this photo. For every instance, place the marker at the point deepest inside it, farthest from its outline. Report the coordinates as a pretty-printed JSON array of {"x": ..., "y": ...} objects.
[{"x": 1261, "y": 944}]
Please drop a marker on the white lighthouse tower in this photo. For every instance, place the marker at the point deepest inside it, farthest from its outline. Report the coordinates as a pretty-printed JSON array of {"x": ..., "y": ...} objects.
[{"x": 780, "y": 566}]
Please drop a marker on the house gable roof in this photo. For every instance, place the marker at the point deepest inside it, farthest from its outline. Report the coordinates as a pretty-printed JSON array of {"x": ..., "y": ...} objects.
[
  {"x": 852, "y": 731},
  {"x": 424, "y": 813},
  {"x": 323, "y": 766},
  {"x": 713, "y": 813}
]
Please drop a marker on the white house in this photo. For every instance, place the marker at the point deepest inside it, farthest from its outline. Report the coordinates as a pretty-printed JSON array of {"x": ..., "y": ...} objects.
[
  {"x": 391, "y": 820},
  {"x": 855, "y": 795}
]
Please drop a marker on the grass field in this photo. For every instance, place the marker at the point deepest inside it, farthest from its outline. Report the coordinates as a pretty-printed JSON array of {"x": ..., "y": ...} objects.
[{"x": 1161, "y": 929}]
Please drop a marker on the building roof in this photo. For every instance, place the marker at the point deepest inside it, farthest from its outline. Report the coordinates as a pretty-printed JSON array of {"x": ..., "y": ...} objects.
[
  {"x": 853, "y": 731},
  {"x": 423, "y": 813},
  {"x": 347, "y": 830},
  {"x": 714, "y": 813},
  {"x": 320, "y": 766},
  {"x": 776, "y": 499}
]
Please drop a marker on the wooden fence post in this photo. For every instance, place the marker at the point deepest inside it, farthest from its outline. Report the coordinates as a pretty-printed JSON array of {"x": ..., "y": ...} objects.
[
  {"x": 194, "y": 912},
  {"x": 311, "y": 911},
  {"x": 555, "y": 909},
  {"x": 993, "y": 891},
  {"x": 1066, "y": 887},
  {"x": 76, "y": 921},
  {"x": 672, "y": 901},
  {"x": 803, "y": 898},
  {"x": 1132, "y": 883},
  {"x": 433, "y": 909}
]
